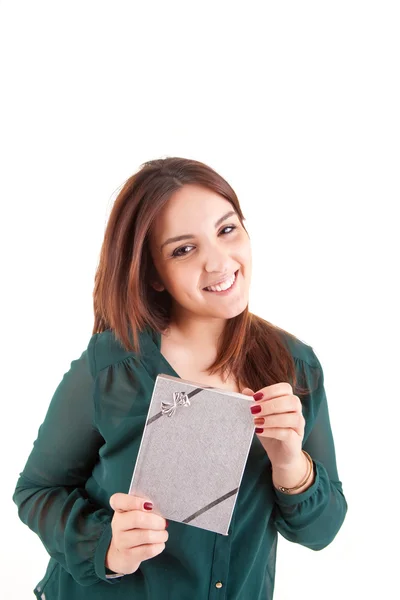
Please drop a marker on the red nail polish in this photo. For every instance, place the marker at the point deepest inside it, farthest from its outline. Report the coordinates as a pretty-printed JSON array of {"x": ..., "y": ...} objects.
[
  {"x": 255, "y": 409},
  {"x": 148, "y": 505},
  {"x": 166, "y": 523},
  {"x": 259, "y": 430},
  {"x": 258, "y": 396}
]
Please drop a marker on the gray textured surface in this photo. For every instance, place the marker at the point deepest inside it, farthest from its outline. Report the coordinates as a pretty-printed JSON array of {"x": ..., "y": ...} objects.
[{"x": 191, "y": 459}]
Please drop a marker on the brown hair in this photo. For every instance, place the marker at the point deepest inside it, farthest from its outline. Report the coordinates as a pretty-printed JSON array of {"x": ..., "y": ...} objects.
[{"x": 250, "y": 348}]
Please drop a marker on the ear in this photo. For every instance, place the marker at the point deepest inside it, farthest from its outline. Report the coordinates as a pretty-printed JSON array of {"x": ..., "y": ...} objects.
[
  {"x": 155, "y": 279},
  {"x": 157, "y": 286}
]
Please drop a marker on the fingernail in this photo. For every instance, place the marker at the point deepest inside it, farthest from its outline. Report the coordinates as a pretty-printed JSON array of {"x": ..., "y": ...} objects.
[
  {"x": 166, "y": 523},
  {"x": 255, "y": 409},
  {"x": 259, "y": 430},
  {"x": 148, "y": 505},
  {"x": 259, "y": 421},
  {"x": 258, "y": 396}
]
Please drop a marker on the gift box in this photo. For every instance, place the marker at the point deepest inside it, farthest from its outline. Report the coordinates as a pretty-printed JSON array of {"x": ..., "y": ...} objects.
[{"x": 193, "y": 452}]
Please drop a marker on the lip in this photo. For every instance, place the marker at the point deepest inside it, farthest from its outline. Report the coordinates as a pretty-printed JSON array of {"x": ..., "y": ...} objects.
[
  {"x": 229, "y": 290},
  {"x": 220, "y": 281}
]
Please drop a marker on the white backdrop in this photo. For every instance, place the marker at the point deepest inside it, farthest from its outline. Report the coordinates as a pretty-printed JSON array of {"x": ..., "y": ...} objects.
[{"x": 297, "y": 105}]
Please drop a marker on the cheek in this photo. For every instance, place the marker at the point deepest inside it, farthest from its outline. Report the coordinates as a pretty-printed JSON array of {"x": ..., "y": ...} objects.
[
  {"x": 248, "y": 255},
  {"x": 178, "y": 278},
  {"x": 244, "y": 252}
]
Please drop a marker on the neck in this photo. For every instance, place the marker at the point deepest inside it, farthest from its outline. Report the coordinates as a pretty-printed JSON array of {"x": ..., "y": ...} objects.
[{"x": 200, "y": 332}]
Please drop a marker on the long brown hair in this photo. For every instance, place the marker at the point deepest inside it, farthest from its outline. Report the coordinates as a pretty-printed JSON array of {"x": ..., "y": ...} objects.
[{"x": 250, "y": 348}]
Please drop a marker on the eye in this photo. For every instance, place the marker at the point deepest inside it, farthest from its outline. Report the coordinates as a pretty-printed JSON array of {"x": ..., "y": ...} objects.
[
  {"x": 181, "y": 251},
  {"x": 232, "y": 227}
]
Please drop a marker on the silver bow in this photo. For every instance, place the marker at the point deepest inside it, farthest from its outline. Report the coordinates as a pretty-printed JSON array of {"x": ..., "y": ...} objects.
[{"x": 179, "y": 399}]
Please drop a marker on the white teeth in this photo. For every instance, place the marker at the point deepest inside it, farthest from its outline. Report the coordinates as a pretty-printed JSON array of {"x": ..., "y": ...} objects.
[{"x": 221, "y": 287}]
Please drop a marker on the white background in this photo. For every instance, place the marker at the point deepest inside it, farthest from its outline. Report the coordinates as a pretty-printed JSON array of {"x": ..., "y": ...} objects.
[{"x": 296, "y": 104}]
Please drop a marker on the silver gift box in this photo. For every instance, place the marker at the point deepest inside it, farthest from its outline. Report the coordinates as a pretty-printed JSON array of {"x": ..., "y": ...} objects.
[{"x": 193, "y": 452}]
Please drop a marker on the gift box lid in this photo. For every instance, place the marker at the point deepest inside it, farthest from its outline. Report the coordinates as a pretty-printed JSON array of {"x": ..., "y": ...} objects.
[{"x": 193, "y": 452}]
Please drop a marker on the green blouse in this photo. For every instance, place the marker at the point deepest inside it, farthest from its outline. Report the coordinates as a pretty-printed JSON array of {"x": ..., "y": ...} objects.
[{"x": 86, "y": 449}]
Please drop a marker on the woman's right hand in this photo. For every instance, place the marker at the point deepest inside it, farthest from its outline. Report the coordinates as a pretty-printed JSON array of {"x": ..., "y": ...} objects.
[{"x": 137, "y": 534}]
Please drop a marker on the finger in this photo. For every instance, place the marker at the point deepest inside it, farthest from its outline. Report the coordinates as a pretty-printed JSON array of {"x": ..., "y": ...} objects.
[
  {"x": 123, "y": 502},
  {"x": 282, "y": 404},
  {"x": 134, "y": 556},
  {"x": 284, "y": 435},
  {"x": 247, "y": 392},
  {"x": 138, "y": 537},
  {"x": 138, "y": 519},
  {"x": 293, "y": 420},
  {"x": 147, "y": 551},
  {"x": 277, "y": 389}
]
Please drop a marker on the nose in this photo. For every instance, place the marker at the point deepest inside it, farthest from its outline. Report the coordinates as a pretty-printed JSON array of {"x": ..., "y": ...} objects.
[{"x": 216, "y": 260}]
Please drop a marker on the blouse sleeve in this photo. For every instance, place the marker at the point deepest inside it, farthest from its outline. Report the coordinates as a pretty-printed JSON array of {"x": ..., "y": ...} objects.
[
  {"x": 314, "y": 517},
  {"x": 50, "y": 492}
]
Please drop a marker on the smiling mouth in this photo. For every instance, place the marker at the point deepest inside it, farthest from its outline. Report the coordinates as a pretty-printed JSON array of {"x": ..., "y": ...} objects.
[{"x": 223, "y": 287}]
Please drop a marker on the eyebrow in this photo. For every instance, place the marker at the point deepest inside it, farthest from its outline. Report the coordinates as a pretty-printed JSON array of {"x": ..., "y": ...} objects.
[{"x": 190, "y": 236}]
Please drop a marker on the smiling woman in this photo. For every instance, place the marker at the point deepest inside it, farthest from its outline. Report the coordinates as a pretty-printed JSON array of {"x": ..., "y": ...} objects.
[
  {"x": 171, "y": 296},
  {"x": 219, "y": 248},
  {"x": 180, "y": 229}
]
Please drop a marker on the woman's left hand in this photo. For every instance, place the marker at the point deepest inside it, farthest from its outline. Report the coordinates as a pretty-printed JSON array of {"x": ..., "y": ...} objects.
[{"x": 279, "y": 415}]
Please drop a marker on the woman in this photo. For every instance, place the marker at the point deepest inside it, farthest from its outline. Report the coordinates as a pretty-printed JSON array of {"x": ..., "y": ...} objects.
[{"x": 171, "y": 296}]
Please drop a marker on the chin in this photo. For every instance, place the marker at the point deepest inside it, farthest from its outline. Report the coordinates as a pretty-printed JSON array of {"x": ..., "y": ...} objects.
[{"x": 234, "y": 311}]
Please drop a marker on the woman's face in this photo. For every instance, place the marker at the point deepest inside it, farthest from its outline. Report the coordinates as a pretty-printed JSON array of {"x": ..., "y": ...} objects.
[{"x": 213, "y": 247}]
